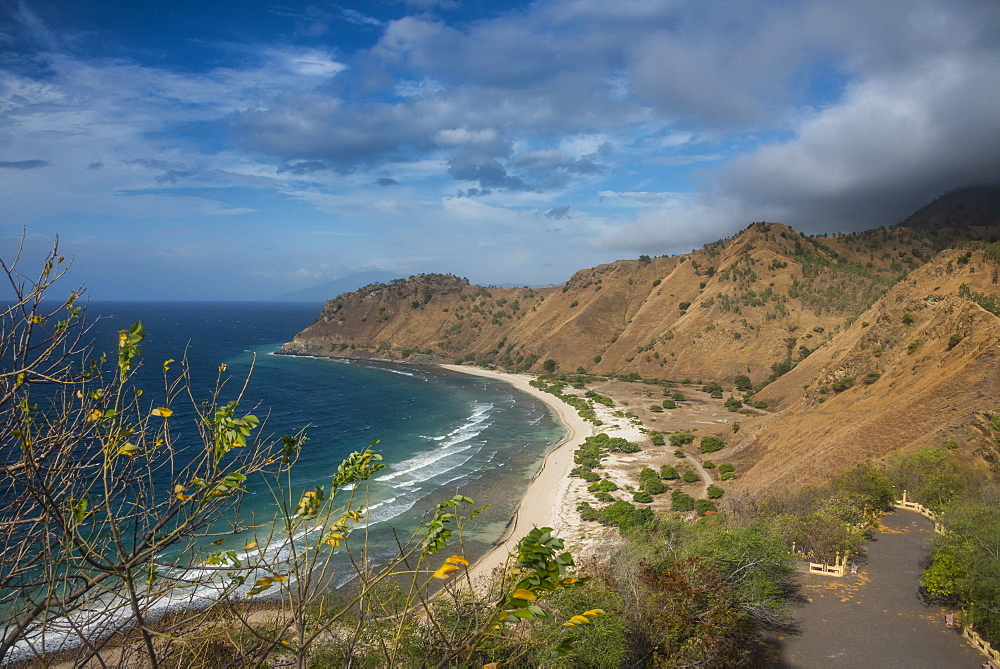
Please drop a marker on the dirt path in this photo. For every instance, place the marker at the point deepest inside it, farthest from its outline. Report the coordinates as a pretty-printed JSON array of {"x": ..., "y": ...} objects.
[
  {"x": 706, "y": 479},
  {"x": 875, "y": 618}
]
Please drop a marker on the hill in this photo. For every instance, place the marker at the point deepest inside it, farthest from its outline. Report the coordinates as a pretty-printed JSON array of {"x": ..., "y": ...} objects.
[{"x": 866, "y": 343}]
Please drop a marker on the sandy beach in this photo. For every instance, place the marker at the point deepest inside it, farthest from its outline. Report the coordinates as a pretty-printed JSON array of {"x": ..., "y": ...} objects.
[{"x": 551, "y": 498}]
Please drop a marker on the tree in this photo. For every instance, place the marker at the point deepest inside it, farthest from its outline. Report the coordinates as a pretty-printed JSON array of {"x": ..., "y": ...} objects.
[
  {"x": 743, "y": 383},
  {"x": 109, "y": 509},
  {"x": 95, "y": 487},
  {"x": 549, "y": 365}
]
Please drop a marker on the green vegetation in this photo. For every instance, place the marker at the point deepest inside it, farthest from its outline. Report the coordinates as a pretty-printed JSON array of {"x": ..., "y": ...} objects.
[
  {"x": 690, "y": 477},
  {"x": 681, "y": 501},
  {"x": 711, "y": 444},
  {"x": 843, "y": 383},
  {"x": 669, "y": 473},
  {"x": 681, "y": 438},
  {"x": 714, "y": 492}
]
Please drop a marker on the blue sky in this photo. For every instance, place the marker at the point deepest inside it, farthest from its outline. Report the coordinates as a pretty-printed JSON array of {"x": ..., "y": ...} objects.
[{"x": 238, "y": 150}]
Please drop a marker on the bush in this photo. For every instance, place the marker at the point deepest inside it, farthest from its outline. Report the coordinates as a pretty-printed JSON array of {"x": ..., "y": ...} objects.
[
  {"x": 871, "y": 377},
  {"x": 907, "y": 319},
  {"x": 743, "y": 383},
  {"x": 605, "y": 485},
  {"x": 843, "y": 384},
  {"x": 657, "y": 438},
  {"x": 642, "y": 496},
  {"x": 912, "y": 347},
  {"x": 649, "y": 481},
  {"x": 585, "y": 473},
  {"x": 656, "y": 408},
  {"x": 602, "y": 496},
  {"x": 726, "y": 467},
  {"x": 954, "y": 340},
  {"x": 669, "y": 404},
  {"x": 708, "y": 464},
  {"x": 681, "y": 501},
  {"x": 669, "y": 473},
  {"x": 678, "y": 397},
  {"x": 681, "y": 438},
  {"x": 714, "y": 492},
  {"x": 690, "y": 477},
  {"x": 703, "y": 506},
  {"x": 711, "y": 444}
]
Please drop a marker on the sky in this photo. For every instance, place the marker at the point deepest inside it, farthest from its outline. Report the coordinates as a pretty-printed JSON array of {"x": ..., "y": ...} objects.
[{"x": 237, "y": 150}]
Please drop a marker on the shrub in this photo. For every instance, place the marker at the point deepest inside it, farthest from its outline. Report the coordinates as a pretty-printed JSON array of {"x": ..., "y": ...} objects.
[
  {"x": 586, "y": 473},
  {"x": 871, "y": 377},
  {"x": 549, "y": 365},
  {"x": 683, "y": 306},
  {"x": 726, "y": 467},
  {"x": 656, "y": 408},
  {"x": 605, "y": 485},
  {"x": 669, "y": 404},
  {"x": 954, "y": 340},
  {"x": 711, "y": 444},
  {"x": 642, "y": 496},
  {"x": 912, "y": 347},
  {"x": 907, "y": 319},
  {"x": 603, "y": 496},
  {"x": 649, "y": 481},
  {"x": 669, "y": 473},
  {"x": 703, "y": 506},
  {"x": 657, "y": 438},
  {"x": 843, "y": 384},
  {"x": 728, "y": 476},
  {"x": 681, "y": 501},
  {"x": 678, "y": 397},
  {"x": 743, "y": 382},
  {"x": 690, "y": 477},
  {"x": 681, "y": 438},
  {"x": 708, "y": 464},
  {"x": 714, "y": 492}
]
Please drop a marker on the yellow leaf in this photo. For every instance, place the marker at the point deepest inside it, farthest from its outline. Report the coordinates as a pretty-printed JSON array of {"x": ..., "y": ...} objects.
[
  {"x": 521, "y": 593},
  {"x": 492, "y": 665},
  {"x": 163, "y": 412},
  {"x": 250, "y": 546},
  {"x": 222, "y": 367},
  {"x": 445, "y": 570},
  {"x": 128, "y": 449},
  {"x": 458, "y": 559},
  {"x": 178, "y": 489},
  {"x": 594, "y": 612},
  {"x": 579, "y": 620},
  {"x": 94, "y": 415},
  {"x": 278, "y": 577}
]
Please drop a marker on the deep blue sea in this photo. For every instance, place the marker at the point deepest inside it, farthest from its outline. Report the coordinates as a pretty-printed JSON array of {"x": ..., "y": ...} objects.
[{"x": 440, "y": 433}]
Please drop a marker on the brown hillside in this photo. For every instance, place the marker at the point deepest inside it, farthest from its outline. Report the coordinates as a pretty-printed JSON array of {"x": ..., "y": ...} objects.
[
  {"x": 925, "y": 364},
  {"x": 766, "y": 297}
]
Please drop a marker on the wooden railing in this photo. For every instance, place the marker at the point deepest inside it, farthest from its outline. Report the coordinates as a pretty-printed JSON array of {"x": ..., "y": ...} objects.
[
  {"x": 982, "y": 645},
  {"x": 921, "y": 509},
  {"x": 970, "y": 635}
]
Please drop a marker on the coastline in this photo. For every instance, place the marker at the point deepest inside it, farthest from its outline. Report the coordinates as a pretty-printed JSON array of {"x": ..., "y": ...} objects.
[{"x": 550, "y": 498}]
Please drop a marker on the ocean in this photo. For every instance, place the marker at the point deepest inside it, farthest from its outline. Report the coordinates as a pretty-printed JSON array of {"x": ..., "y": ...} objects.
[{"x": 440, "y": 433}]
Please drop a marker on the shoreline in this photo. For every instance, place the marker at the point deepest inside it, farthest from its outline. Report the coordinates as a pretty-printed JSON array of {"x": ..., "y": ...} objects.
[{"x": 544, "y": 501}]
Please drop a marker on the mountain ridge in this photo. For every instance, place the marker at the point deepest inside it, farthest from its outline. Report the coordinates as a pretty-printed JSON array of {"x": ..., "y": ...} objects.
[{"x": 867, "y": 342}]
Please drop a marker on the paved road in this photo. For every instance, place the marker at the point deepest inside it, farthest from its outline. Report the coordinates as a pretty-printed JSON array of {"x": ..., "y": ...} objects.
[{"x": 875, "y": 618}]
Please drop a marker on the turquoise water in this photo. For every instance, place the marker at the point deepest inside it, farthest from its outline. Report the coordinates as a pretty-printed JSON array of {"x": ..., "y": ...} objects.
[{"x": 440, "y": 433}]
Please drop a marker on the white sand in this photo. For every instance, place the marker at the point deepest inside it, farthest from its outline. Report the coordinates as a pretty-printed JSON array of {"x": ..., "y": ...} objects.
[{"x": 543, "y": 504}]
